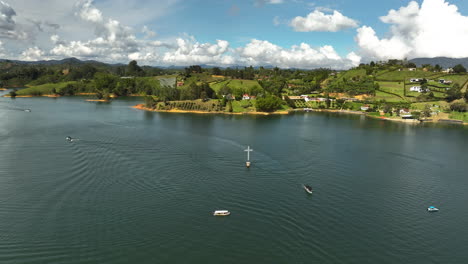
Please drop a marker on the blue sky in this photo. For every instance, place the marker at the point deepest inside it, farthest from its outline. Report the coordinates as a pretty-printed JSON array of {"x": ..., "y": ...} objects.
[{"x": 285, "y": 33}]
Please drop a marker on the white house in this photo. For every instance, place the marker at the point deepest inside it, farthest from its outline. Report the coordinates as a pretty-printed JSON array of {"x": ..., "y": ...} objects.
[
  {"x": 448, "y": 70},
  {"x": 417, "y": 89},
  {"x": 411, "y": 69}
]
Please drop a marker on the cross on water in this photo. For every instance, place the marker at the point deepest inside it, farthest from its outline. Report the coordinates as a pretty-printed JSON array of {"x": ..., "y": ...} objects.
[{"x": 248, "y": 152}]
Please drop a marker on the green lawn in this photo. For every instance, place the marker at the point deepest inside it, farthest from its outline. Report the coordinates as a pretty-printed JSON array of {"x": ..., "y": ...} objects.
[{"x": 44, "y": 88}]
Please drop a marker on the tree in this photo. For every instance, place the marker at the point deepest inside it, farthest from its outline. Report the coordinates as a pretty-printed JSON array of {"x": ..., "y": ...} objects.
[
  {"x": 426, "y": 111},
  {"x": 459, "y": 68},
  {"x": 133, "y": 69},
  {"x": 453, "y": 93},
  {"x": 229, "y": 106},
  {"x": 268, "y": 103},
  {"x": 459, "y": 106},
  {"x": 289, "y": 101},
  {"x": 437, "y": 68},
  {"x": 216, "y": 71},
  {"x": 13, "y": 94}
]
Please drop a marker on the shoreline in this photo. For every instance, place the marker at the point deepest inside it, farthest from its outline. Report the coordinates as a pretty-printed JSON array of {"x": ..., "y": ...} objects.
[
  {"x": 141, "y": 107},
  {"x": 406, "y": 121},
  {"x": 98, "y": 100}
]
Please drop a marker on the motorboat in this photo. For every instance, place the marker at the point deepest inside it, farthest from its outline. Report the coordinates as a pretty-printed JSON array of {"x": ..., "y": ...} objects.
[
  {"x": 69, "y": 139},
  {"x": 308, "y": 189},
  {"x": 221, "y": 213},
  {"x": 27, "y": 110},
  {"x": 432, "y": 209}
]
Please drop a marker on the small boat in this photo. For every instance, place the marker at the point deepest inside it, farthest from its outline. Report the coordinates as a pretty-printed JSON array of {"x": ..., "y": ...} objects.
[
  {"x": 307, "y": 109},
  {"x": 432, "y": 209},
  {"x": 69, "y": 139},
  {"x": 221, "y": 213},
  {"x": 308, "y": 189},
  {"x": 27, "y": 110}
]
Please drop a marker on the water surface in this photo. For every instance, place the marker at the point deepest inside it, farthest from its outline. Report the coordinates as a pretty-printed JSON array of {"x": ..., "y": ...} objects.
[{"x": 140, "y": 187}]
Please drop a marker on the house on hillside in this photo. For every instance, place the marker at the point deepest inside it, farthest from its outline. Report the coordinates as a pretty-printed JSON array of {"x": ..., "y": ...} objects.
[
  {"x": 365, "y": 107},
  {"x": 415, "y": 89},
  {"x": 405, "y": 111},
  {"x": 411, "y": 69},
  {"x": 442, "y": 81},
  {"x": 179, "y": 84},
  {"x": 448, "y": 70},
  {"x": 245, "y": 97}
]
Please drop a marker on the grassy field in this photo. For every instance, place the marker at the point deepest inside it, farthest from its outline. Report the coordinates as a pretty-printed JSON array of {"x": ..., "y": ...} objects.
[
  {"x": 352, "y": 73},
  {"x": 460, "y": 79},
  {"x": 459, "y": 116},
  {"x": 405, "y": 75},
  {"x": 234, "y": 84},
  {"x": 420, "y": 106},
  {"x": 43, "y": 89},
  {"x": 392, "y": 87},
  {"x": 379, "y": 95}
]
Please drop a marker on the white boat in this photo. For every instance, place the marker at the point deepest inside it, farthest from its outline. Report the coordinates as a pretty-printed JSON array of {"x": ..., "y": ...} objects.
[
  {"x": 307, "y": 188},
  {"x": 432, "y": 209},
  {"x": 69, "y": 139},
  {"x": 221, "y": 213}
]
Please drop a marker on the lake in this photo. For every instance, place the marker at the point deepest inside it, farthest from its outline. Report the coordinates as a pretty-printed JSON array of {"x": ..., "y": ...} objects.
[{"x": 141, "y": 187}]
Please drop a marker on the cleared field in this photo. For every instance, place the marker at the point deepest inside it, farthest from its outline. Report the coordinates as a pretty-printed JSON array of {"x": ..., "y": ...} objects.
[
  {"x": 44, "y": 89},
  {"x": 379, "y": 95},
  {"x": 234, "y": 84},
  {"x": 460, "y": 79},
  {"x": 392, "y": 87},
  {"x": 405, "y": 75},
  {"x": 352, "y": 73}
]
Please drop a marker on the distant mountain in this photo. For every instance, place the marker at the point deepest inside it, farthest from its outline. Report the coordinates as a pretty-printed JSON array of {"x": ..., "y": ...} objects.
[
  {"x": 68, "y": 61},
  {"x": 444, "y": 62}
]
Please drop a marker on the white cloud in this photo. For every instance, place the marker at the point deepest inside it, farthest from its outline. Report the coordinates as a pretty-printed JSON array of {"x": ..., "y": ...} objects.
[
  {"x": 262, "y": 52},
  {"x": 436, "y": 28},
  {"x": 32, "y": 54},
  {"x": 319, "y": 21},
  {"x": 269, "y": 2},
  {"x": 88, "y": 12},
  {"x": 189, "y": 51}
]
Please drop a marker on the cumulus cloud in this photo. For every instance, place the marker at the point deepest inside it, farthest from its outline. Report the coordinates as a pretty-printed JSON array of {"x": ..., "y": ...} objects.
[
  {"x": 436, "y": 28},
  {"x": 319, "y": 21},
  {"x": 113, "y": 40},
  {"x": 8, "y": 27},
  {"x": 32, "y": 54},
  {"x": 189, "y": 51},
  {"x": 262, "y": 52}
]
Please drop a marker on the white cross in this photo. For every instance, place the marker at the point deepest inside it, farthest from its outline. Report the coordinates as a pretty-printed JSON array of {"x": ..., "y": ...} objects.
[{"x": 248, "y": 152}]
